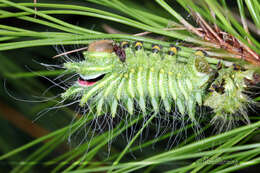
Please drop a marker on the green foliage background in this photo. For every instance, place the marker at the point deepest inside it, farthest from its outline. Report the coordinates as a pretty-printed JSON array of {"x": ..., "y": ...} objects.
[{"x": 29, "y": 36}]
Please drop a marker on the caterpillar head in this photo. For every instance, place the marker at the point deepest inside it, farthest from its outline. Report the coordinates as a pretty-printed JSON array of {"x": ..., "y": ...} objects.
[{"x": 99, "y": 60}]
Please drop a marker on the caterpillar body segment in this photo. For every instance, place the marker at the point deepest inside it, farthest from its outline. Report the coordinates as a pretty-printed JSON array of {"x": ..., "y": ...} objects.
[
  {"x": 150, "y": 80},
  {"x": 88, "y": 93}
]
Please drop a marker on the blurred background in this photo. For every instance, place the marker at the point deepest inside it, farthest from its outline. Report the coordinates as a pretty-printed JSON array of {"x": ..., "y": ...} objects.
[{"x": 25, "y": 96}]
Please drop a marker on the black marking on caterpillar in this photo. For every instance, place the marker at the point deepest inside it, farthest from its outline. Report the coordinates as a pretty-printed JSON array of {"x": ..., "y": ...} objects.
[
  {"x": 142, "y": 80},
  {"x": 237, "y": 67},
  {"x": 120, "y": 52},
  {"x": 125, "y": 44},
  {"x": 219, "y": 88}
]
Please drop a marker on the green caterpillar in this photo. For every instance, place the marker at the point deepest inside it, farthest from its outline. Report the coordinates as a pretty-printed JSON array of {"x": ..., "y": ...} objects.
[{"x": 149, "y": 81}]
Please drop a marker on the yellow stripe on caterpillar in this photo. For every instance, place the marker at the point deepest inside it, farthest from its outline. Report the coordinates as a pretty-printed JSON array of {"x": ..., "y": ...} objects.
[
  {"x": 173, "y": 50},
  {"x": 124, "y": 44},
  {"x": 156, "y": 48},
  {"x": 138, "y": 45}
]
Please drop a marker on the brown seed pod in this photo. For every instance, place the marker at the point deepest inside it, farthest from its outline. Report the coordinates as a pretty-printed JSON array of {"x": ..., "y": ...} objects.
[{"x": 101, "y": 46}]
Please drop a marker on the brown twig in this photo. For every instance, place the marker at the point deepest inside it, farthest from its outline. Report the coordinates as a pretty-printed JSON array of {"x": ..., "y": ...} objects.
[
  {"x": 69, "y": 52},
  {"x": 214, "y": 17},
  {"x": 225, "y": 40},
  {"x": 249, "y": 24},
  {"x": 205, "y": 25},
  {"x": 111, "y": 30},
  {"x": 243, "y": 20},
  {"x": 35, "y": 8},
  {"x": 191, "y": 28}
]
